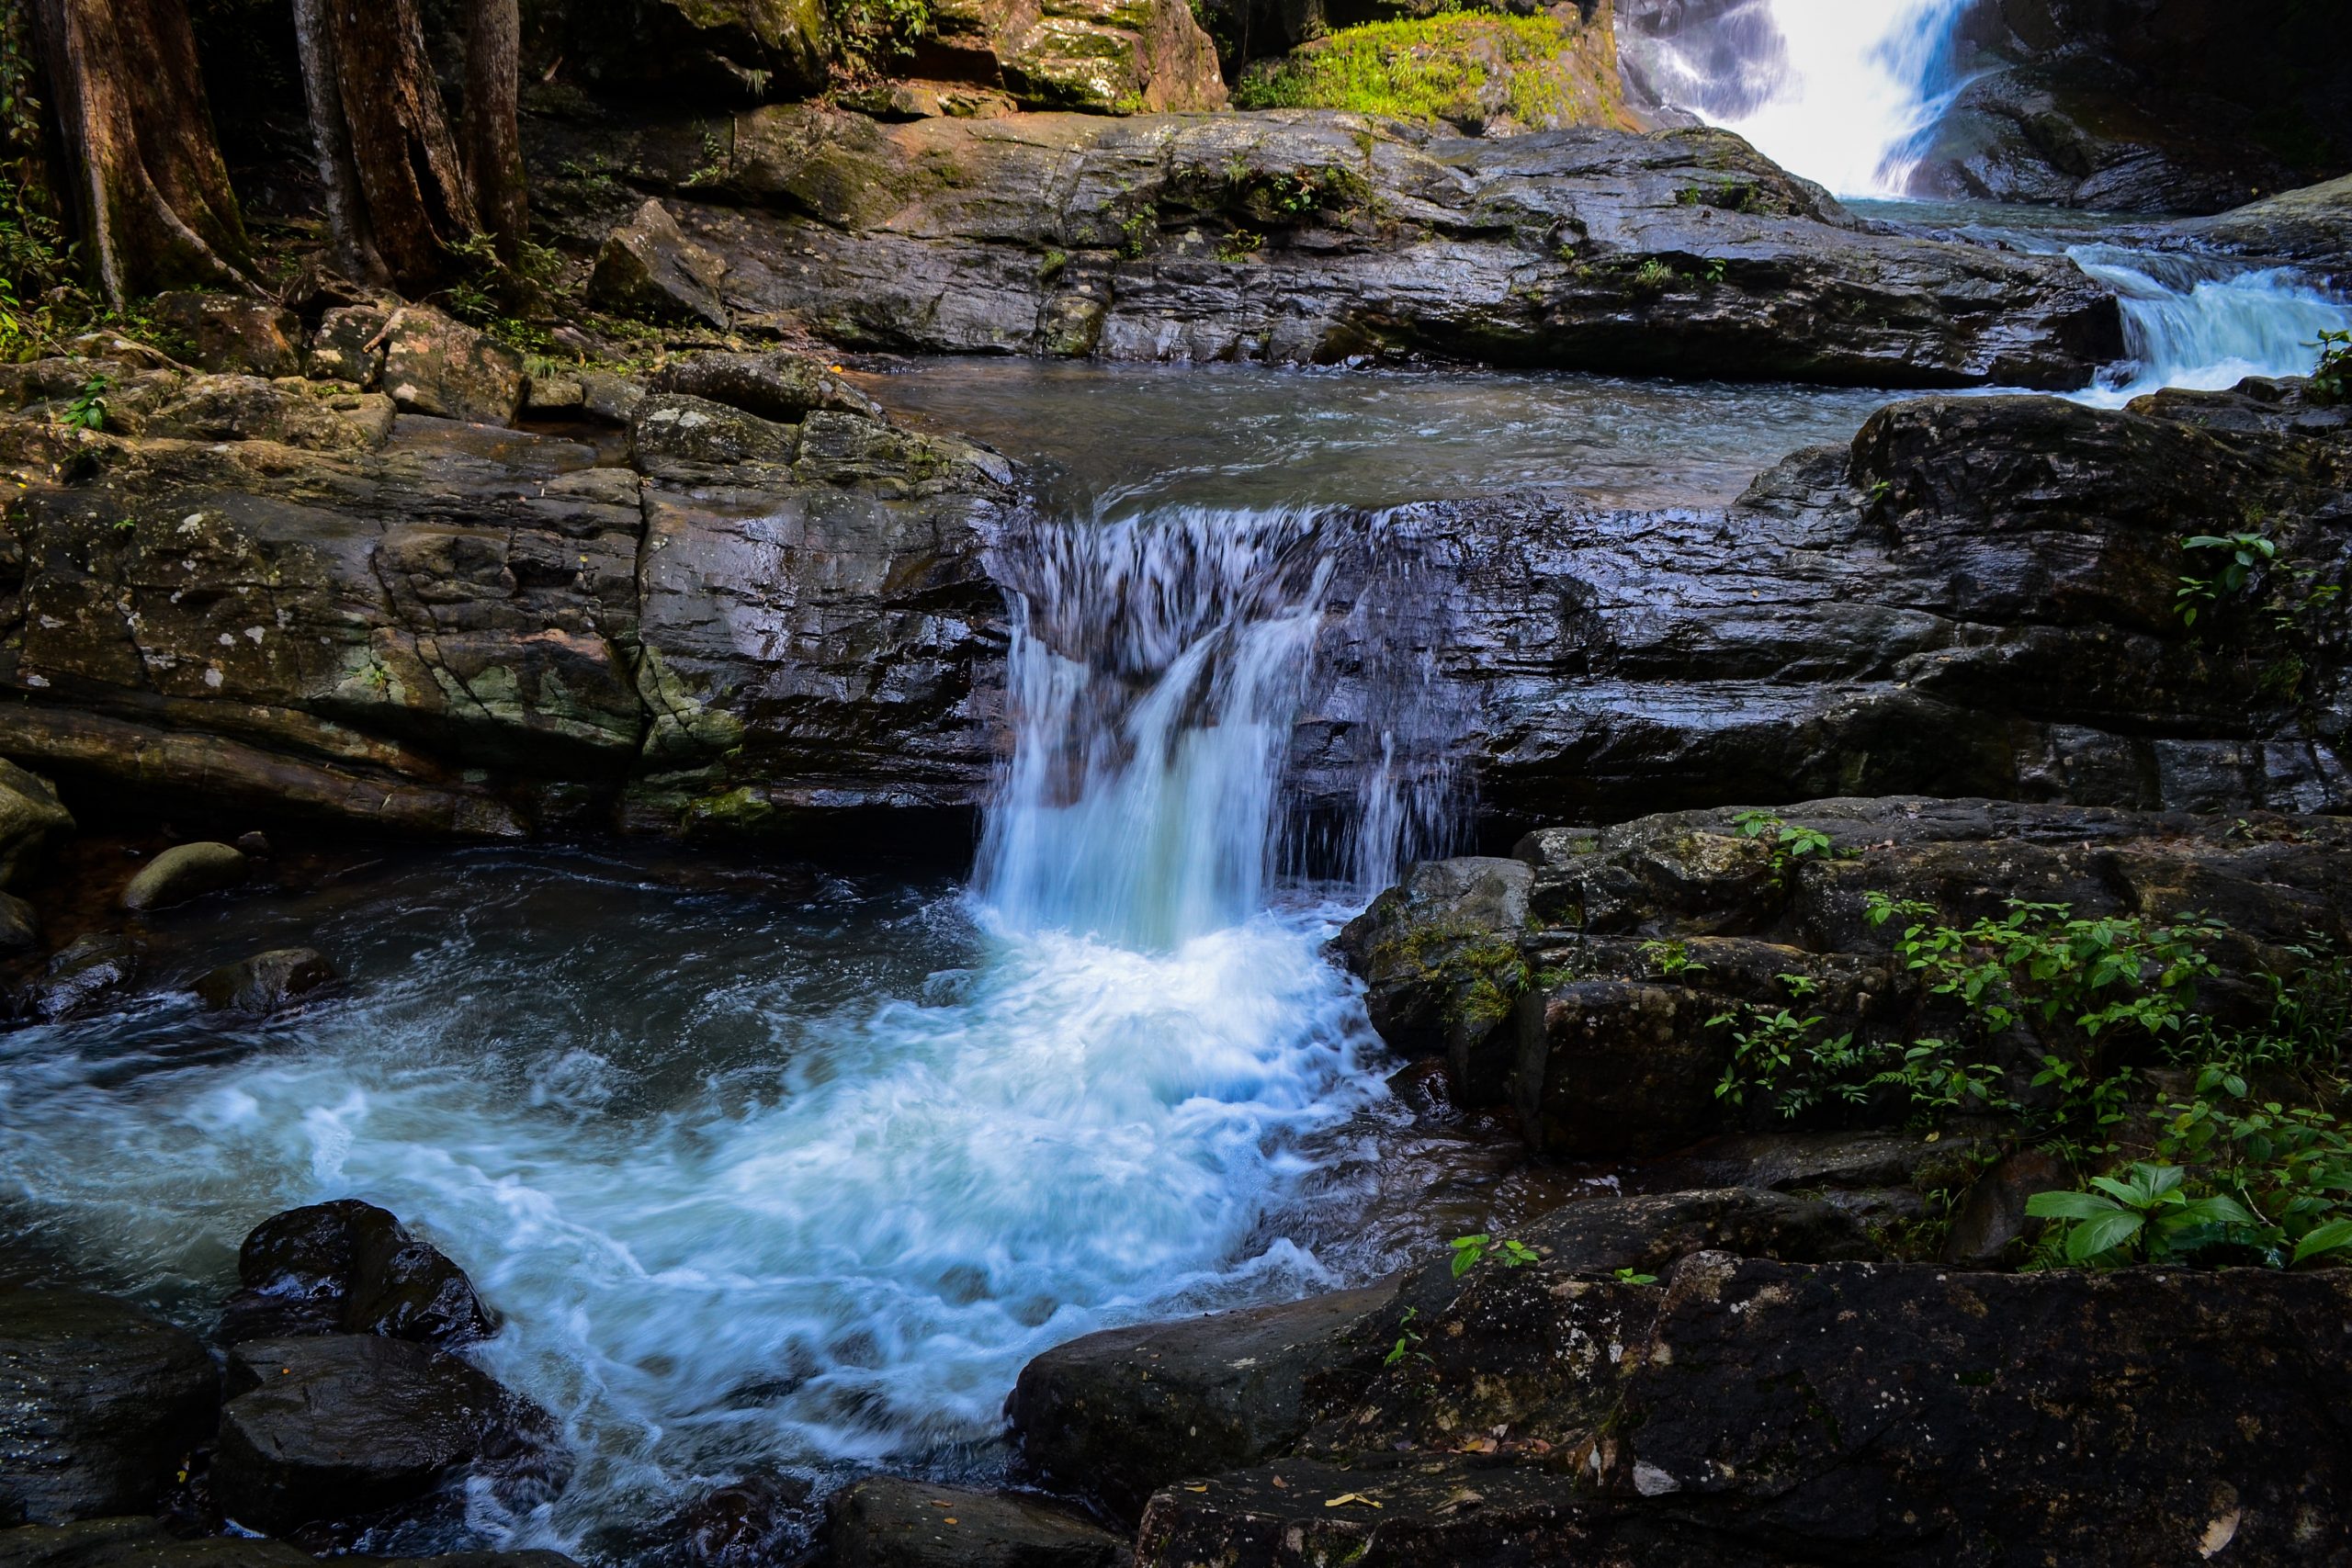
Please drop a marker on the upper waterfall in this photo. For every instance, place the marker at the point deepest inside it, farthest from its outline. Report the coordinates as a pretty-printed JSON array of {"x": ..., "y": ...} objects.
[{"x": 1839, "y": 90}]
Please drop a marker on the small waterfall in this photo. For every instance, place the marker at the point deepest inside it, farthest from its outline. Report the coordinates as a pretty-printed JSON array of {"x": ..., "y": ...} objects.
[
  {"x": 1842, "y": 91},
  {"x": 2205, "y": 322},
  {"x": 1157, "y": 672}
]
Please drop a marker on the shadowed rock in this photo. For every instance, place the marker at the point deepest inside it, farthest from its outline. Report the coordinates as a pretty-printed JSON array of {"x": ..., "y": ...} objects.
[{"x": 349, "y": 1268}]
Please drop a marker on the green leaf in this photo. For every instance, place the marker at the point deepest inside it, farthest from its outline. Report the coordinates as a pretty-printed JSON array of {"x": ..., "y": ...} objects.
[
  {"x": 2069, "y": 1206},
  {"x": 2329, "y": 1237},
  {"x": 2105, "y": 1234}
]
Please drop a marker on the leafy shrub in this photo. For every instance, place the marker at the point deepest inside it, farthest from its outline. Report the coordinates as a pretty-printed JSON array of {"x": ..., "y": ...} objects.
[{"x": 2332, "y": 377}]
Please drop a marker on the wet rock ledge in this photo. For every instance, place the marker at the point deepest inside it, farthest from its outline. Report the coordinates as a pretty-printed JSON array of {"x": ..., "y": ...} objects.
[{"x": 1313, "y": 237}]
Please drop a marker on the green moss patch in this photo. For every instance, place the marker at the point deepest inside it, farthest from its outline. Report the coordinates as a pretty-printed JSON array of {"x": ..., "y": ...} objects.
[{"x": 1458, "y": 66}]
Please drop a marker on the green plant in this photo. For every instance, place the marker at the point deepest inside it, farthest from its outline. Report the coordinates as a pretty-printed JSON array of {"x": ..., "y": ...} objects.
[
  {"x": 1469, "y": 1251},
  {"x": 2243, "y": 555},
  {"x": 2148, "y": 1215},
  {"x": 1630, "y": 1276},
  {"x": 2332, "y": 376},
  {"x": 1457, "y": 64},
  {"x": 1788, "y": 843},
  {"x": 1671, "y": 960},
  {"x": 1716, "y": 268},
  {"x": 872, "y": 35},
  {"x": 88, "y": 409},
  {"x": 1239, "y": 245},
  {"x": 1408, "y": 1341},
  {"x": 1136, "y": 233},
  {"x": 1653, "y": 273},
  {"x": 1050, "y": 265}
]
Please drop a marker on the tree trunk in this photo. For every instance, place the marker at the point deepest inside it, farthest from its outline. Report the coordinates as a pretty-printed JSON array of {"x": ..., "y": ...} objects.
[
  {"x": 415, "y": 204},
  {"x": 353, "y": 237},
  {"x": 151, "y": 193},
  {"x": 493, "y": 144}
]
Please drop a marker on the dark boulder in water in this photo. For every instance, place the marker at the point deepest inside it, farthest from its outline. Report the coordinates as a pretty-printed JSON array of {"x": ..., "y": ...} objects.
[
  {"x": 891, "y": 1522},
  {"x": 340, "y": 1429},
  {"x": 350, "y": 1267},
  {"x": 101, "y": 1403},
  {"x": 267, "y": 982}
]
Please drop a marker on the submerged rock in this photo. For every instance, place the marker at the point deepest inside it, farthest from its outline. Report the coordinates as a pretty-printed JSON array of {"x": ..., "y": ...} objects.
[
  {"x": 184, "y": 872},
  {"x": 341, "y": 1427},
  {"x": 86, "y": 970},
  {"x": 890, "y": 1522},
  {"x": 350, "y": 1267},
  {"x": 101, "y": 1403},
  {"x": 267, "y": 982}
]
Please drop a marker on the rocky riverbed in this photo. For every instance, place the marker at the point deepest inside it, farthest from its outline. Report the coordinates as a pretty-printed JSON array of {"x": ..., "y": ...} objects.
[{"x": 508, "y": 1067}]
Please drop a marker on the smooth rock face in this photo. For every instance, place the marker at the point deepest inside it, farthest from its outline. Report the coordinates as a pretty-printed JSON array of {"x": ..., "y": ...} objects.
[
  {"x": 888, "y": 1522},
  {"x": 2311, "y": 225},
  {"x": 344, "y": 1427},
  {"x": 267, "y": 982},
  {"x": 648, "y": 269},
  {"x": 101, "y": 1403},
  {"x": 1583, "y": 249},
  {"x": 184, "y": 872},
  {"x": 1115, "y": 1416},
  {"x": 350, "y": 1267},
  {"x": 31, "y": 818}
]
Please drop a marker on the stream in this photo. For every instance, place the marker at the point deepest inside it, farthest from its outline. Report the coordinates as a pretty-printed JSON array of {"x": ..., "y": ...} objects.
[{"x": 786, "y": 1170}]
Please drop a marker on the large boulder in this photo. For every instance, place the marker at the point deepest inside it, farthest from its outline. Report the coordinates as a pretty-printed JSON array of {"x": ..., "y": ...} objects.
[
  {"x": 1304, "y": 236},
  {"x": 891, "y": 1522},
  {"x": 1478, "y": 71},
  {"x": 2311, "y": 226},
  {"x": 349, "y": 1268},
  {"x": 648, "y": 269},
  {"x": 1115, "y": 1416},
  {"x": 101, "y": 1404},
  {"x": 85, "y": 971},
  {"x": 437, "y": 366},
  {"x": 344, "y": 1427}
]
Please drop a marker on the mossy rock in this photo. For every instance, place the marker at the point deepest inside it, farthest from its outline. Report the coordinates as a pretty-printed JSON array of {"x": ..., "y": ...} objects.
[{"x": 1477, "y": 71}]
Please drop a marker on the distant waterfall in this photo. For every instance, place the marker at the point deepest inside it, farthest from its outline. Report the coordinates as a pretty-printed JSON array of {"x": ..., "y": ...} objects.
[{"x": 1842, "y": 91}]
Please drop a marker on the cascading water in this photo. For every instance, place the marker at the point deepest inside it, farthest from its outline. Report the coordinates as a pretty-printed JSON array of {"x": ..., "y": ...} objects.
[
  {"x": 750, "y": 1217},
  {"x": 1840, "y": 91},
  {"x": 1155, "y": 670},
  {"x": 2205, "y": 322}
]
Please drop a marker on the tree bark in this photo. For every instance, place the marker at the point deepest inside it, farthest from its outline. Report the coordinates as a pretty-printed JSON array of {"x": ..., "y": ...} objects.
[
  {"x": 415, "y": 204},
  {"x": 493, "y": 142},
  {"x": 353, "y": 236},
  {"x": 150, "y": 192}
]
